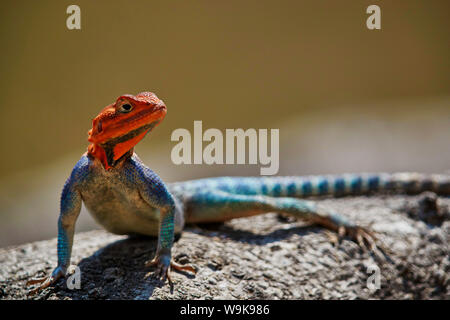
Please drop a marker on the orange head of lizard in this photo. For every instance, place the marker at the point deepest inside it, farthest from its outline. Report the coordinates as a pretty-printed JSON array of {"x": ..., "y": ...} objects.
[{"x": 121, "y": 125}]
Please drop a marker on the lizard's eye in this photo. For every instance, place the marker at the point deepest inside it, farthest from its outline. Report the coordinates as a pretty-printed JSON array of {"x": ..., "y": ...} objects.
[{"x": 125, "y": 108}]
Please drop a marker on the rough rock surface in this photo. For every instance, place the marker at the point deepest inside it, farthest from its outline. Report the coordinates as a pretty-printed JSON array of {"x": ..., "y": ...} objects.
[{"x": 262, "y": 257}]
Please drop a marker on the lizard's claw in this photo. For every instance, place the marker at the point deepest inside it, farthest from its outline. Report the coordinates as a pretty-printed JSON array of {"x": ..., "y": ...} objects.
[
  {"x": 164, "y": 265},
  {"x": 46, "y": 281},
  {"x": 365, "y": 238}
]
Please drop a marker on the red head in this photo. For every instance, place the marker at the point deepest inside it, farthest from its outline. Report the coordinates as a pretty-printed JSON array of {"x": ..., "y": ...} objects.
[{"x": 121, "y": 125}]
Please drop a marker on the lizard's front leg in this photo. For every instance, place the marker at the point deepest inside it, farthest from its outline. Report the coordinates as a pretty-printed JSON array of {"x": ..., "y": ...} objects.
[
  {"x": 70, "y": 209},
  {"x": 153, "y": 190},
  {"x": 162, "y": 259}
]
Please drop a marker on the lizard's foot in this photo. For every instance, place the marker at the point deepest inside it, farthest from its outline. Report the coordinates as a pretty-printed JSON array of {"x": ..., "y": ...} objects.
[
  {"x": 364, "y": 237},
  {"x": 164, "y": 265},
  {"x": 46, "y": 281}
]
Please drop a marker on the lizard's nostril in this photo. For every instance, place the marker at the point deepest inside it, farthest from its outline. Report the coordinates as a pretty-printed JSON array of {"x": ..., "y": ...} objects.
[
  {"x": 160, "y": 107},
  {"x": 99, "y": 127}
]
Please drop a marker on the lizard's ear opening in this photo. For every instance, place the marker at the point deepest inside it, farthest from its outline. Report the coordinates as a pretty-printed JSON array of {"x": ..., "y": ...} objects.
[{"x": 99, "y": 126}]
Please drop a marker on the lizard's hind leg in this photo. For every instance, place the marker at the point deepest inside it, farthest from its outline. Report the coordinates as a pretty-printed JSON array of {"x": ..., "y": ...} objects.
[{"x": 216, "y": 206}]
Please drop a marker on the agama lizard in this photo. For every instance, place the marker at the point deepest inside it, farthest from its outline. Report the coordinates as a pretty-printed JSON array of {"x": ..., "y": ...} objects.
[{"x": 126, "y": 197}]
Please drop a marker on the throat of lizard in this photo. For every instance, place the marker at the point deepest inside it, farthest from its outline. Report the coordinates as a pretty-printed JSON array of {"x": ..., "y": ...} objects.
[{"x": 112, "y": 152}]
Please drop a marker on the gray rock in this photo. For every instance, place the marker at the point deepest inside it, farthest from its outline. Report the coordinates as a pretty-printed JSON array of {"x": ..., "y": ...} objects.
[{"x": 261, "y": 257}]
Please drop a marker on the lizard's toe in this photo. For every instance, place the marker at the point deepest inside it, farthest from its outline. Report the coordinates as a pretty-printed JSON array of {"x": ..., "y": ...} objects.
[
  {"x": 163, "y": 269},
  {"x": 45, "y": 281},
  {"x": 366, "y": 239},
  {"x": 180, "y": 267}
]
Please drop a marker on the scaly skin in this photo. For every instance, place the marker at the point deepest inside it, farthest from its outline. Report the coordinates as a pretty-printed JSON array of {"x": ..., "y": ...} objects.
[{"x": 126, "y": 197}]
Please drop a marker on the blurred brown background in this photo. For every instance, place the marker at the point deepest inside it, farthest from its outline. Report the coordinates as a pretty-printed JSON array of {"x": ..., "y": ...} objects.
[{"x": 345, "y": 98}]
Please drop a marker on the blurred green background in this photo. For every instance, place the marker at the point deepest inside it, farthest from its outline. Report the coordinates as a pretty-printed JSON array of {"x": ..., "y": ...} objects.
[{"x": 345, "y": 98}]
